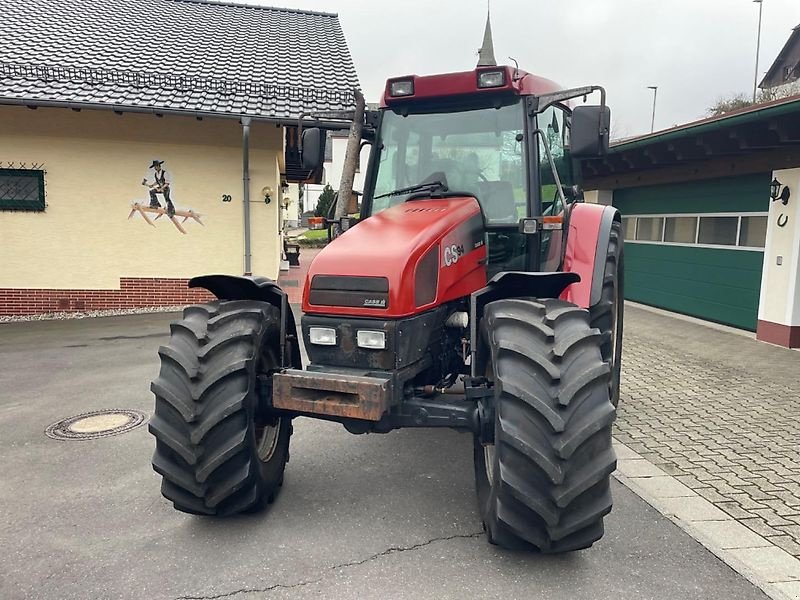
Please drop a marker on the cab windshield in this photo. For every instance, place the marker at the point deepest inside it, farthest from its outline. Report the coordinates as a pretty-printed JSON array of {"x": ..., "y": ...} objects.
[{"x": 477, "y": 152}]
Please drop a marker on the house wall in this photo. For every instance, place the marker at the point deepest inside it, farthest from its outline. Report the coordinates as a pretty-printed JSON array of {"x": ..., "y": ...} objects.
[
  {"x": 292, "y": 214},
  {"x": 779, "y": 311},
  {"x": 790, "y": 60},
  {"x": 88, "y": 250}
]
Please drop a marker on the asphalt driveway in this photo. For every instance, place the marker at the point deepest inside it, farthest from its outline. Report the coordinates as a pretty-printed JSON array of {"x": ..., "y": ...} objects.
[{"x": 377, "y": 516}]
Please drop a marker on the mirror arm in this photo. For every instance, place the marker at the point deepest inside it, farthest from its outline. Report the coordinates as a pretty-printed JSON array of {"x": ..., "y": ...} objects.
[
  {"x": 341, "y": 121},
  {"x": 545, "y": 100},
  {"x": 338, "y": 120}
]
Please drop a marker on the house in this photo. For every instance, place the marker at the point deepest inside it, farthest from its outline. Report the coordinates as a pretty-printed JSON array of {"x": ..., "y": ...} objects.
[
  {"x": 786, "y": 68},
  {"x": 711, "y": 217},
  {"x": 143, "y": 142}
]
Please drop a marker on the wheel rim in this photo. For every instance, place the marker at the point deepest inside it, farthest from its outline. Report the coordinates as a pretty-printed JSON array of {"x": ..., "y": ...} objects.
[
  {"x": 489, "y": 449},
  {"x": 488, "y": 461},
  {"x": 267, "y": 436},
  {"x": 614, "y": 325}
]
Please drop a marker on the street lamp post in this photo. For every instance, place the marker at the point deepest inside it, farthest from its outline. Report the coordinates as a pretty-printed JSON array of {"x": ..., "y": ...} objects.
[
  {"x": 758, "y": 46},
  {"x": 655, "y": 96}
]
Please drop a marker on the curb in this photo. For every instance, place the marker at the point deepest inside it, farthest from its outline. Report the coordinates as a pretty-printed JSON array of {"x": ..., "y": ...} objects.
[{"x": 772, "y": 569}]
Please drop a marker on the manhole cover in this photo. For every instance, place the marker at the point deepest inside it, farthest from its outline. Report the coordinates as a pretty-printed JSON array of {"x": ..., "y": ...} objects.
[{"x": 97, "y": 424}]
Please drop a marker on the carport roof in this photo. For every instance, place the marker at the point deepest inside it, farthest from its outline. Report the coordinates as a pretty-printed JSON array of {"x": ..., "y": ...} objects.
[
  {"x": 193, "y": 56},
  {"x": 768, "y": 127}
]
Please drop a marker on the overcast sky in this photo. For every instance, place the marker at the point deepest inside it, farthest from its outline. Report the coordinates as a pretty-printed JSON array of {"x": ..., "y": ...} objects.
[{"x": 695, "y": 51}]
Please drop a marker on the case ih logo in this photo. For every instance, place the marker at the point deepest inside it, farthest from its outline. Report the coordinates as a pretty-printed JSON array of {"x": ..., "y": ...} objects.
[{"x": 375, "y": 302}]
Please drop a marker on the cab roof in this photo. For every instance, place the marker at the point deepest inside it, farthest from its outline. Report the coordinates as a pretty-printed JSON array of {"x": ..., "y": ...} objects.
[{"x": 465, "y": 83}]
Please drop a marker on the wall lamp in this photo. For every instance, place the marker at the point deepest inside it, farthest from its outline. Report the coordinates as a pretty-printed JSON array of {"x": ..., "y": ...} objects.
[
  {"x": 776, "y": 194},
  {"x": 266, "y": 191}
]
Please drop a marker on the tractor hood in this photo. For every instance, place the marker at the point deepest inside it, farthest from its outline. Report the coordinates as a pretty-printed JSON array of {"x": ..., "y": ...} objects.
[{"x": 401, "y": 261}]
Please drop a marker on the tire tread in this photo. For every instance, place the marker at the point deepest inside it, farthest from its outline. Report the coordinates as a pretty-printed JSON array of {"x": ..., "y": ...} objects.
[{"x": 553, "y": 447}]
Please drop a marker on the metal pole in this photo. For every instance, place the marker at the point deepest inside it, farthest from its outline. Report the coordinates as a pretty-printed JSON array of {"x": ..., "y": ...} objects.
[
  {"x": 246, "y": 190},
  {"x": 758, "y": 46},
  {"x": 655, "y": 96}
]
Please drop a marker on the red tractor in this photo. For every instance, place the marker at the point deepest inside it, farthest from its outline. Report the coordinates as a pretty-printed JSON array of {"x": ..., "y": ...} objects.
[{"x": 476, "y": 291}]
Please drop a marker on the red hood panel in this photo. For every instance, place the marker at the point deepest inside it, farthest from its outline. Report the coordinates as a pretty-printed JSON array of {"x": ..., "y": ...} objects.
[{"x": 392, "y": 242}]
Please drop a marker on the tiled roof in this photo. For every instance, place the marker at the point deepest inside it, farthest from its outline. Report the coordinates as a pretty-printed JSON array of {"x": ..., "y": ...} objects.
[{"x": 186, "y": 55}]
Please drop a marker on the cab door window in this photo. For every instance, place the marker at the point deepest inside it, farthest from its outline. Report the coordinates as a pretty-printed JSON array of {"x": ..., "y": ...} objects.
[{"x": 554, "y": 124}]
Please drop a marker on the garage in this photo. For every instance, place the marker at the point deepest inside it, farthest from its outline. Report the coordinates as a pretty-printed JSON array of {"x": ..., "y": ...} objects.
[
  {"x": 697, "y": 247},
  {"x": 711, "y": 217}
]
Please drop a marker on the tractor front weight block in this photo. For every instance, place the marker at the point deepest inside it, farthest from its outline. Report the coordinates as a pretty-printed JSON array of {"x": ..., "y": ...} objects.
[{"x": 332, "y": 394}]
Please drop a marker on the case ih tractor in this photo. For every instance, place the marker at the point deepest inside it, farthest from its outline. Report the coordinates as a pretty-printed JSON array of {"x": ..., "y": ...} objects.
[{"x": 476, "y": 291}]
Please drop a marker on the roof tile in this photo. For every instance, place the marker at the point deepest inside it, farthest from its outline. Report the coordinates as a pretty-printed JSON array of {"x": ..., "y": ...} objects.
[{"x": 201, "y": 55}]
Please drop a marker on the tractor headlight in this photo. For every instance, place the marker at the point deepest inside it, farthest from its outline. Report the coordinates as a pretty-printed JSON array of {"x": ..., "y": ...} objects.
[
  {"x": 401, "y": 88},
  {"x": 371, "y": 340},
  {"x": 491, "y": 79},
  {"x": 322, "y": 336}
]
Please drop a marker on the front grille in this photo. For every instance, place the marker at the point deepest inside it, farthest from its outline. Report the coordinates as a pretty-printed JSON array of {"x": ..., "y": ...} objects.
[{"x": 358, "y": 292}]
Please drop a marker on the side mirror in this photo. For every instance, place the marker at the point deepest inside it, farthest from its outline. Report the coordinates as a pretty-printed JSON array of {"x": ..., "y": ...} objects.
[
  {"x": 312, "y": 148},
  {"x": 589, "y": 132}
]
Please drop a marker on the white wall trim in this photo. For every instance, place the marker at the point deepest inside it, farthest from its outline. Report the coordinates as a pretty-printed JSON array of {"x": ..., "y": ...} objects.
[
  {"x": 716, "y": 214},
  {"x": 709, "y": 246}
]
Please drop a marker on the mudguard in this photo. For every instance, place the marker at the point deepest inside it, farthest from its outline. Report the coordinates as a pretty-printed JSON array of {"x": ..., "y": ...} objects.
[
  {"x": 255, "y": 287},
  {"x": 585, "y": 254}
]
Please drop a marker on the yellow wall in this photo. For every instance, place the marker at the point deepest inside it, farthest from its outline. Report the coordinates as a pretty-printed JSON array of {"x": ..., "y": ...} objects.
[{"x": 95, "y": 162}]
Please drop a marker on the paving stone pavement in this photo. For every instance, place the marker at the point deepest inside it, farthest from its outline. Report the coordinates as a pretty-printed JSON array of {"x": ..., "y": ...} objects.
[{"x": 721, "y": 413}]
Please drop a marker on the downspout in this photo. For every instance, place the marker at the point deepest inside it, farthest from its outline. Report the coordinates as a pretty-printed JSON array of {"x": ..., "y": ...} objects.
[{"x": 246, "y": 189}]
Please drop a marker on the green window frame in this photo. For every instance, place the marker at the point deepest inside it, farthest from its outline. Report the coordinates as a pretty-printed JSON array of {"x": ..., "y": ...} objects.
[{"x": 22, "y": 189}]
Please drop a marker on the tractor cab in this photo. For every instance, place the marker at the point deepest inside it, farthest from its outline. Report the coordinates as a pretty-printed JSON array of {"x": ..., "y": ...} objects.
[{"x": 502, "y": 136}]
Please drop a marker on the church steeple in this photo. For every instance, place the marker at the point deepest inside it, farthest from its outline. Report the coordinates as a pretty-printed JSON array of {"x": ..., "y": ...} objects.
[{"x": 486, "y": 52}]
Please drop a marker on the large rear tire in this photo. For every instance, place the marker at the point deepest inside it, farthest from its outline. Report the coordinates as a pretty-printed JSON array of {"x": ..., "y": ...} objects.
[
  {"x": 217, "y": 453},
  {"x": 607, "y": 314},
  {"x": 545, "y": 482}
]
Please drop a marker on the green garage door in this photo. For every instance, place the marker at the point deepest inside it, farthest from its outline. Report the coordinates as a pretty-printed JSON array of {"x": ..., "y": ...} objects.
[{"x": 697, "y": 247}]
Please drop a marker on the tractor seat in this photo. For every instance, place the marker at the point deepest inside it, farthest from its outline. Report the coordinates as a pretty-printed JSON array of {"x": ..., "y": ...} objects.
[{"x": 497, "y": 200}]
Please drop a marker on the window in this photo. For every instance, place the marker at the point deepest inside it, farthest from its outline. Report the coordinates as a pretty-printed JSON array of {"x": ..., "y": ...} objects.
[
  {"x": 648, "y": 229},
  {"x": 718, "y": 230},
  {"x": 746, "y": 231},
  {"x": 682, "y": 230},
  {"x": 753, "y": 232},
  {"x": 329, "y": 141},
  {"x": 629, "y": 228},
  {"x": 22, "y": 189},
  {"x": 554, "y": 125},
  {"x": 478, "y": 151}
]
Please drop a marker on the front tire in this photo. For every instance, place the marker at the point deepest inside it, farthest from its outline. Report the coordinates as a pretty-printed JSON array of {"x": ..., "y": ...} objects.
[
  {"x": 217, "y": 453},
  {"x": 545, "y": 482}
]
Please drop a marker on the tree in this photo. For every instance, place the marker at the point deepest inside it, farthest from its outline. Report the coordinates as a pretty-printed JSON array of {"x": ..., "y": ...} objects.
[
  {"x": 325, "y": 201},
  {"x": 729, "y": 104},
  {"x": 739, "y": 101},
  {"x": 351, "y": 156}
]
